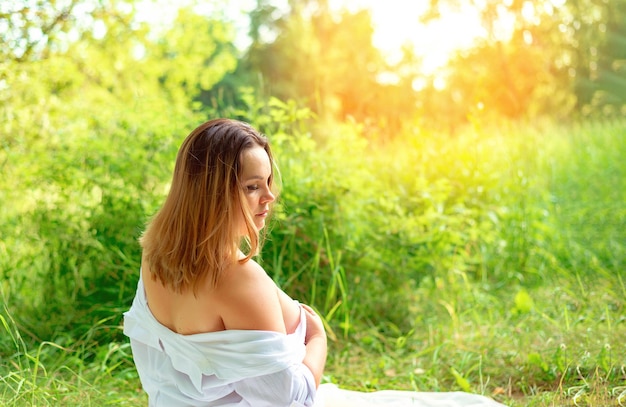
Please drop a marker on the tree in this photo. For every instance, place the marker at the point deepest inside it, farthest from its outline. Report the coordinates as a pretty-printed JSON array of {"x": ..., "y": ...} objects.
[
  {"x": 194, "y": 54},
  {"x": 30, "y": 30},
  {"x": 604, "y": 91},
  {"x": 325, "y": 59},
  {"x": 551, "y": 61}
]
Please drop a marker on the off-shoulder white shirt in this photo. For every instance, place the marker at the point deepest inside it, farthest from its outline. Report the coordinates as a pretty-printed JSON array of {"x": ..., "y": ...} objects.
[{"x": 226, "y": 368}]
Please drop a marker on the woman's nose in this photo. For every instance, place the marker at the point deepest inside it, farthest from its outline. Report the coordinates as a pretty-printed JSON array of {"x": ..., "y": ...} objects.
[{"x": 268, "y": 197}]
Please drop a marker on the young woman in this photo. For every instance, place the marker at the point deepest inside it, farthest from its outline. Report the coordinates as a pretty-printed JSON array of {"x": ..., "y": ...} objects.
[{"x": 208, "y": 327}]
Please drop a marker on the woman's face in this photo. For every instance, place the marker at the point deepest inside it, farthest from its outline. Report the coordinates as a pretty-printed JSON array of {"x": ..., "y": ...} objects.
[{"x": 256, "y": 171}]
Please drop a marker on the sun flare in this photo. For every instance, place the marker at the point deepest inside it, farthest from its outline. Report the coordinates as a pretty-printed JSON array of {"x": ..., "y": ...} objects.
[{"x": 396, "y": 24}]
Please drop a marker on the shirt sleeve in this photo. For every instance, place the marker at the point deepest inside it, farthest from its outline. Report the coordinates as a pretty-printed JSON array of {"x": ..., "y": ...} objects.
[{"x": 291, "y": 387}]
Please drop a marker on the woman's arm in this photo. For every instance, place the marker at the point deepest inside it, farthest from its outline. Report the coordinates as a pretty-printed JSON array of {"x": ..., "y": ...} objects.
[{"x": 316, "y": 345}]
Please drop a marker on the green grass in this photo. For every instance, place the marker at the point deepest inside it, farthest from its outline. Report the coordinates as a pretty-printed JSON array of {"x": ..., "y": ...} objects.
[
  {"x": 80, "y": 373},
  {"x": 492, "y": 262}
]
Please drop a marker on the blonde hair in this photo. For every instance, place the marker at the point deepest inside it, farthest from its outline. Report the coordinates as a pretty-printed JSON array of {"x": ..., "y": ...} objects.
[{"x": 195, "y": 234}]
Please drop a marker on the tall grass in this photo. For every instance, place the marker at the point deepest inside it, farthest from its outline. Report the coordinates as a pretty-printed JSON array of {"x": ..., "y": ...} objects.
[
  {"x": 83, "y": 372},
  {"x": 489, "y": 262},
  {"x": 476, "y": 272}
]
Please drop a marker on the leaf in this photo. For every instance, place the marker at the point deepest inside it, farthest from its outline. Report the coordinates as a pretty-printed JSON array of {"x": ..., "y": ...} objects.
[
  {"x": 535, "y": 359},
  {"x": 523, "y": 302},
  {"x": 462, "y": 382}
]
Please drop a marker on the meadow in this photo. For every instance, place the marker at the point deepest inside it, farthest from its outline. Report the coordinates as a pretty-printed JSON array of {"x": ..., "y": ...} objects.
[{"x": 489, "y": 261}]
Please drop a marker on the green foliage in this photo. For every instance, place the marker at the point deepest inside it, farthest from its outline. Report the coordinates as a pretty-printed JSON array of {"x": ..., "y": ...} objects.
[
  {"x": 460, "y": 380},
  {"x": 194, "y": 55},
  {"x": 53, "y": 374},
  {"x": 490, "y": 262},
  {"x": 536, "y": 59},
  {"x": 453, "y": 256},
  {"x": 89, "y": 135},
  {"x": 310, "y": 56},
  {"x": 523, "y": 302}
]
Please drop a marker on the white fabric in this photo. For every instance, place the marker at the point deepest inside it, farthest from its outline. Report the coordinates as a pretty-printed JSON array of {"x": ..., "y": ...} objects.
[
  {"x": 329, "y": 395},
  {"x": 226, "y": 368},
  {"x": 237, "y": 368}
]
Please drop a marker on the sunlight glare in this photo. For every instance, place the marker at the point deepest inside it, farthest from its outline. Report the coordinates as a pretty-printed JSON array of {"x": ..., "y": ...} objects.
[
  {"x": 439, "y": 83},
  {"x": 396, "y": 23}
]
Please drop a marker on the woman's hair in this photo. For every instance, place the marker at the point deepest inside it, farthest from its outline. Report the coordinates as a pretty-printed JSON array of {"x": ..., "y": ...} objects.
[{"x": 195, "y": 235}]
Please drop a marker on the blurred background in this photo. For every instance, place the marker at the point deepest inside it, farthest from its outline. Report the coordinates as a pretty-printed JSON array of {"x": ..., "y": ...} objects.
[
  {"x": 452, "y": 183},
  {"x": 400, "y": 64}
]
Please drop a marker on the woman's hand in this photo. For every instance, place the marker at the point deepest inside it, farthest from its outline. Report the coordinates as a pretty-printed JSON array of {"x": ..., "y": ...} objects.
[{"x": 314, "y": 324}]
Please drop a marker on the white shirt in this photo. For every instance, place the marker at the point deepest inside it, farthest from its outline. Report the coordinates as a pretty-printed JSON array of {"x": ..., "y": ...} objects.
[{"x": 226, "y": 368}]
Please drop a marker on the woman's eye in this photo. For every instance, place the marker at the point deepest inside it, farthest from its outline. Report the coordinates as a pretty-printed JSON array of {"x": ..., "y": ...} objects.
[{"x": 252, "y": 187}]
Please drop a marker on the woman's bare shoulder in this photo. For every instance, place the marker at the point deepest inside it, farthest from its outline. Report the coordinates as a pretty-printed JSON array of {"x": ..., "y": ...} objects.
[
  {"x": 241, "y": 277},
  {"x": 248, "y": 299}
]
